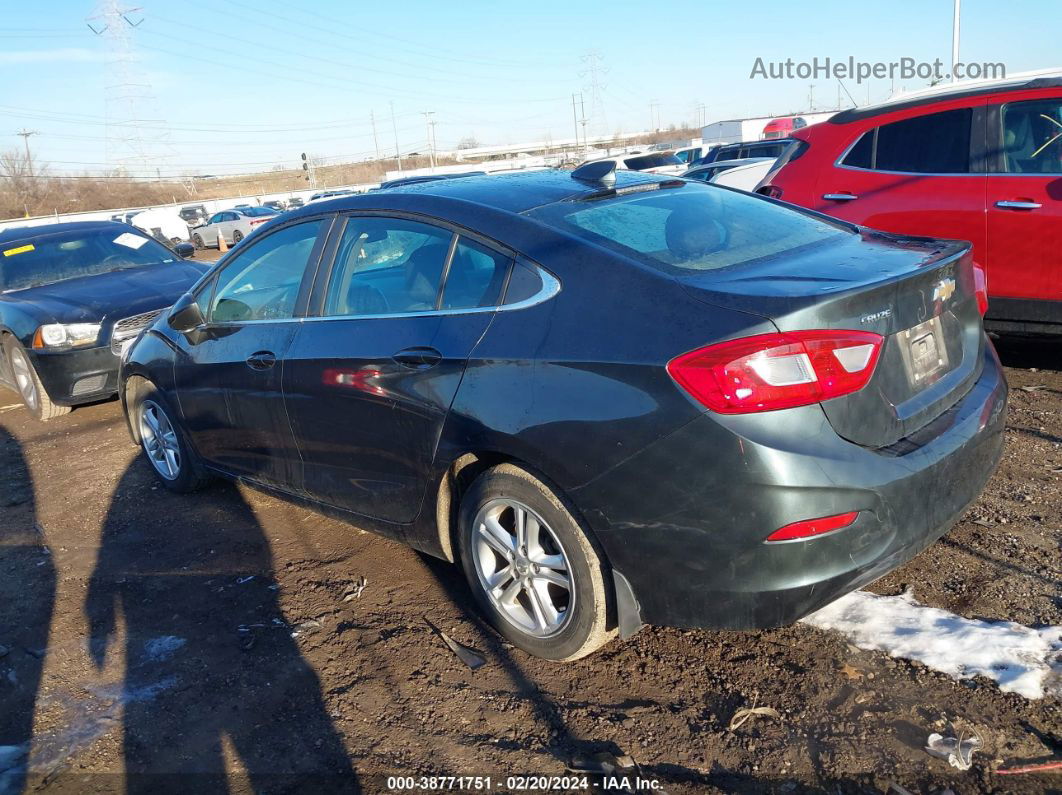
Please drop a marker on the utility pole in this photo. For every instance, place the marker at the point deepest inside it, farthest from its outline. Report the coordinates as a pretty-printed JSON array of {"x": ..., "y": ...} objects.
[
  {"x": 586, "y": 143},
  {"x": 375, "y": 140},
  {"x": 654, "y": 115},
  {"x": 575, "y": 121},
  {"x": 25, "y": 139},
  {"x": 811, "y": 97},
  {"x": 431, "y": 136},
  {"x": 955, "y": 38},
  {"x": 702, "y": 114},
  {"x": 398, "y": 154}
]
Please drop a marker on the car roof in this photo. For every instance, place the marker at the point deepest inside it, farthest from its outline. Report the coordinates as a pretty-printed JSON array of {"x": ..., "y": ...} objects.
[
  {"x": 10, "y": 234},
  {"x": 959, "y": 90},
  {"x": 513, "y": 192}
]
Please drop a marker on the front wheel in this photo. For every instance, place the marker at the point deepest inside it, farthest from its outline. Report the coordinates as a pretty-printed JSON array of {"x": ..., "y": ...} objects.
[
  {"x": 532, "y": 568},
  {"x": 164, "y": 442},
  {"x": 34, "y": 396},
  {"x": 197, "y": 241}
]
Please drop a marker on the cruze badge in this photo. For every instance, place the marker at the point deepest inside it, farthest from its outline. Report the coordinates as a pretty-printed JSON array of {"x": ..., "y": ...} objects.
[
  {"x": 884, "y": 313},
  {"x": 944, "y": 290}
]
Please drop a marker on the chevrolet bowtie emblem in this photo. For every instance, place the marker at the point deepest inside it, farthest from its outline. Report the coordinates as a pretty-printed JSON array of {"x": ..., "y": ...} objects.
[{"x": 944, "y": 290}]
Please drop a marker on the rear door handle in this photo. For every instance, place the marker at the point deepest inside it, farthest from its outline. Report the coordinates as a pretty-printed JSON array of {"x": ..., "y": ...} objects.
[
  {"x": 418, "y": 358},
  {"x": 262, "y": 360},
  {"x": 839, "y": 197},
  {"x": 1019, "y": 205}
]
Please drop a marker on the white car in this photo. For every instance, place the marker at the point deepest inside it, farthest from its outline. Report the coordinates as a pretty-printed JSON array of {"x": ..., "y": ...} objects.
[
  {"x": 708, "y": 171},
  {"x": 747, "y": 177},
  {"x": 651, "y": 162},
  {"x": 232, "y": 225},
  {"x": 162, "y": 224}
]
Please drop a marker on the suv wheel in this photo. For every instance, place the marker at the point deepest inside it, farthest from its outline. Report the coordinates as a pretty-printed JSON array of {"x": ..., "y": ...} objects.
[
  {"x": 34, "y": 395},
  {"x": 531, "y": 566}
]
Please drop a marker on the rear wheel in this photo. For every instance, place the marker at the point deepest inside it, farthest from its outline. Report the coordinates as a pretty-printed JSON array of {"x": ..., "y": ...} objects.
[
  {"x": 237, "y": 236},
  {"x": 34, "y": 395},
  {"x": 531, "y": 566},
  {"x": 197, "y": 241},
  {"x": 164, "y": 442}
]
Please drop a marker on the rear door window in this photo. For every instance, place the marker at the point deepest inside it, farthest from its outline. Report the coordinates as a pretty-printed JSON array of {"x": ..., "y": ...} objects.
[
  {"x": 937, "y": 143},
  {"x": 387, "y": 266},
  {"x": 1032, "y": 137}
]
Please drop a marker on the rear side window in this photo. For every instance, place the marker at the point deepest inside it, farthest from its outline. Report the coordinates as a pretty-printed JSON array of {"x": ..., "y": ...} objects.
[
  {"x": 689, "y": 228},
  {"x": 387, "y": 266},
  {"x": 937, "y": 143},
  {"x": 727, "y": 154},
  {"x": 476, "y": 276},
  {"x": 1032, "y": 137}
]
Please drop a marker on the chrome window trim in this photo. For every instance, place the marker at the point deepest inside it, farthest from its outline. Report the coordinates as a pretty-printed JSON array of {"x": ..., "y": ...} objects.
[{"x": 550, "y": 287}]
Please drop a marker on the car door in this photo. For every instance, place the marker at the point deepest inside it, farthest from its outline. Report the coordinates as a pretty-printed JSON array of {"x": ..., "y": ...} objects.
[
  {"x": 228, "y": 373},
  {"x": 1024, "y": 258},
  {"x": 369, "y": 380},
  {"x": 921, "y": 175},
  {"x": 209, "y": 233}
]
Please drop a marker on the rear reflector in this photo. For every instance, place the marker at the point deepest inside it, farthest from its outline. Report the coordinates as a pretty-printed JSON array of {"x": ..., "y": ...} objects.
[
  {"x": 981, "y": 288},
  {"x": 777, "y": 371},
  {"x": 809, "y": 528}
]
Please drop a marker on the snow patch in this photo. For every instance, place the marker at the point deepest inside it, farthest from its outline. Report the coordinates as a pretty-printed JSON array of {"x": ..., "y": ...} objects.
[
  {"x": 1020, "y": 659},
  {"x": 162, "y": 648}
]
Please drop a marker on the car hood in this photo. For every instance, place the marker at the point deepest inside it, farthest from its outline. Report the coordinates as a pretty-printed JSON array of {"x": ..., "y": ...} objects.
[{"x": 111, "y": 295}]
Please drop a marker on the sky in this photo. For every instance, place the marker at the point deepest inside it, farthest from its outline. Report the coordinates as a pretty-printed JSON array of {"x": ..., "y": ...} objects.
[{"x": 239, "y": 86}]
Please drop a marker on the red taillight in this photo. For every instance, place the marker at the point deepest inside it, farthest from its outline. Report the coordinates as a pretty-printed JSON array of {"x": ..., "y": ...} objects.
[
  {"x": 770, "y": 191},
  {"x": 981, "y": 288},
  {"x": 260, "y": 221},
  {"x": 777, "y": 371},
  {"x": 810, "y": 528}
]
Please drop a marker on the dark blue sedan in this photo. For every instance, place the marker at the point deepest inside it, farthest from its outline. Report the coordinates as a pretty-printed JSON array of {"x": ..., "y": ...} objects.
[
  {"x": 71, "y": 296},
  {"x": 611, "y": 397}
]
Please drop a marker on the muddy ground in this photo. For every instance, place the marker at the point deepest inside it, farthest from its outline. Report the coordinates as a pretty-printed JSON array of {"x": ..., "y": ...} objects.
[{"x": 147, "y": 642}]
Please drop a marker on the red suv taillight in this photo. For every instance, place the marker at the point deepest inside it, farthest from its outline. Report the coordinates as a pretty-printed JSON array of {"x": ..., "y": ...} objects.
[
  {"x": 777, "y": 371},
  {"x": 981, "y": 288}
]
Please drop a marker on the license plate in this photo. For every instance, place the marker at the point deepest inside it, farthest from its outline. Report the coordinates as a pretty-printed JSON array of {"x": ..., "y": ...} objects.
[{"x": 925, "y": 356}]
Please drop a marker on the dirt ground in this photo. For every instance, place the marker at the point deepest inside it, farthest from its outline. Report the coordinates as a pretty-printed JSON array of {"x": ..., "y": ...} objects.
[{"x": 156, "y": 642}]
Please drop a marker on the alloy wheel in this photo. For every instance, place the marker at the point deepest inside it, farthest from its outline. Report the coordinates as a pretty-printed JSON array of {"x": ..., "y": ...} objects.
[
  {"x": 522, "y": 567},
  {"x": 159, "y": 439},
  {"x": 24, "y": 378}
]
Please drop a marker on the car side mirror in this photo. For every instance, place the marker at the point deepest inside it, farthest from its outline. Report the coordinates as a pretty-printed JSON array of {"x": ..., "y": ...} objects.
[
  {"x": 184, "y": 250},
  {"x": 185, "y": 315}
]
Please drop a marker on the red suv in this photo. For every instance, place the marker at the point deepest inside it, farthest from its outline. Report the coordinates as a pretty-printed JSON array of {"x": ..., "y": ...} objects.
[{"x": 980, "y": 162}]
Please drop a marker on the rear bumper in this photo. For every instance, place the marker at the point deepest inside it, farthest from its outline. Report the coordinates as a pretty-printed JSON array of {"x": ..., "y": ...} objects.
[
  {"x": 77, "y": 376},
  {"x": 685, "y": 519}
]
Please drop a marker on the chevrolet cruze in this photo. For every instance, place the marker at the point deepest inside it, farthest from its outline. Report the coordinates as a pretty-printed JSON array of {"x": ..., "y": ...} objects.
[{"x": 610, "y": 397}]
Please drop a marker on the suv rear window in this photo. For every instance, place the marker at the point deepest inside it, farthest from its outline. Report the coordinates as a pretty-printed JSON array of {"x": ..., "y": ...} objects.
[
  {"x": 692, "y": 227},
  {"x": 937, "y": 143}
]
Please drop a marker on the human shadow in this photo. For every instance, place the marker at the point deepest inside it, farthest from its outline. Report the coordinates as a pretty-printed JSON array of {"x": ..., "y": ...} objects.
[
  {"x": 27, "y": 598},
  {"x": 211, "y": 668}
]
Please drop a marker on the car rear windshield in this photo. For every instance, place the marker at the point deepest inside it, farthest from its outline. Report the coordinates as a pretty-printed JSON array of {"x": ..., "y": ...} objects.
[
  {"x": 694, "y": 227},
  {"x": 643, "y": 162},
  {"x": 50, "y": 258},
  {"x": 254, "y": 212}
]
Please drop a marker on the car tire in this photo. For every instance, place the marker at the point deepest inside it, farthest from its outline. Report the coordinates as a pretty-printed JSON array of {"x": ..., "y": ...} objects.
[
  {"x": 164, "y": 442},
  {"x": 34, "y": 396},
  {"x": 197, "y": 241},
  {"x": 237, "y": 236},
  {"x": 549, "y": 596}
]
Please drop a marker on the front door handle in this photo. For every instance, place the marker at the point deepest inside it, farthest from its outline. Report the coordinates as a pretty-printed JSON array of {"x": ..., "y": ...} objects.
[
  {"x": 262, "y": 360},
  {"x": 839, "y": 197},
  {"x": 1019, "y": 205},
  {"x": 418, "y": 358}
]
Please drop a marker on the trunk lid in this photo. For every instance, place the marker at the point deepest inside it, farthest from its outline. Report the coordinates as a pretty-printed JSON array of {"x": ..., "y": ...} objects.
[{"x": 918, "y": 293}]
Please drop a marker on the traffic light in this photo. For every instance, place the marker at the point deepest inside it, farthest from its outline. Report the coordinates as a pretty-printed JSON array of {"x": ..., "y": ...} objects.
[{"x": 306, "y": 166}]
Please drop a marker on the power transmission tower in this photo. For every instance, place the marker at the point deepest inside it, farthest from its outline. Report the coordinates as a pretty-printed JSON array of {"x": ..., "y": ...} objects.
[
  {"x": 135, "y": 142},
  {"x": 595, "y": 72},
  {"x": 25, "y": 139}
]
